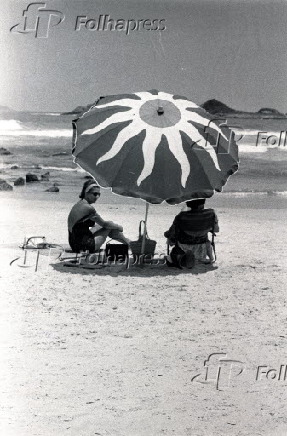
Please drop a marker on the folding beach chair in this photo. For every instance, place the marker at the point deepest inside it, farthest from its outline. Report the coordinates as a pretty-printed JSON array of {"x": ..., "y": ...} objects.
[{"x": 187, "y": 225}]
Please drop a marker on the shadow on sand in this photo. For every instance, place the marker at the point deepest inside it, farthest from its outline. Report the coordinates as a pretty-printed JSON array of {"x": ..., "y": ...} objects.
[{"x": 131, "y": 271}]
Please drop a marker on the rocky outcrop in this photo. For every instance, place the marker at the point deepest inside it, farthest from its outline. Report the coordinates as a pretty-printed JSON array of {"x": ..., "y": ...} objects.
[
  {"x": 4, "y": 151},
  {"x": 269, "y": 111},
  {"x": 45, "y": 177},
  {"x": 53, "y": 188},
  {"x": 4, "y": 186},
  {"x": 216, "y": 107},
  {"x": 78, "y": 110},
  {"x": 60, "y": 153},
  {"x": 31, "y": 178},
  {"x": 19, "y": 182}
]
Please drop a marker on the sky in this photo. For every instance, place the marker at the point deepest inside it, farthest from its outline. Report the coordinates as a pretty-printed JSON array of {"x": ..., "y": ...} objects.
[{"x": 230, "y": 50}]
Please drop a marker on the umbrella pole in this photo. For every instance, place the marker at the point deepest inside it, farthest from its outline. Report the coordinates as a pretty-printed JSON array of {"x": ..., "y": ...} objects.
[{"x": 145, "y": 227}]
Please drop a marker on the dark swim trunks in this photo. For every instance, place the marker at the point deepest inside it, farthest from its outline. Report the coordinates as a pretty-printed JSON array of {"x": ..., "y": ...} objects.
[{"x": 81, "y": 238}]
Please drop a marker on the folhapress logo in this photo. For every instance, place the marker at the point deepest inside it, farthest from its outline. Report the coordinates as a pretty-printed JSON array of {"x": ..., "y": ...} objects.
[
  {"x": 38, "y": 20},
  {"x": 219, "y": 371}
]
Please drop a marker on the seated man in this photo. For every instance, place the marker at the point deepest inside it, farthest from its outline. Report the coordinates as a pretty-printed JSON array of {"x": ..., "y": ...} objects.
[
  {"x": 87, "y": 229},
  {"x": 189, "y": 235}
]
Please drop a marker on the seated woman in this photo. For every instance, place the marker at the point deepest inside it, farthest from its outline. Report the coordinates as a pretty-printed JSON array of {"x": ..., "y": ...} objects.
[
  {"x": 189, "y": 234},
  {"x": 87, "y": 229}
]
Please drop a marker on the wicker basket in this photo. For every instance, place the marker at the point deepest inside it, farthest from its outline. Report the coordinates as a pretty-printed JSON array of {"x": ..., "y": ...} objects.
[{"x": 136, "y": 246}]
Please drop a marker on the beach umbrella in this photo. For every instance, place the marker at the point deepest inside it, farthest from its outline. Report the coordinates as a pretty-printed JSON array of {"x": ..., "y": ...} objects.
[{"x": 154, "y": 146}]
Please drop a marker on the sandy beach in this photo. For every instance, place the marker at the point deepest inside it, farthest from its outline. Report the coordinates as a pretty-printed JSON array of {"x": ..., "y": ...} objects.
[
  {"x": 165, "y": 100},
  {"x": 113, "y": 351},
  {"x": 128, "y": 350}
]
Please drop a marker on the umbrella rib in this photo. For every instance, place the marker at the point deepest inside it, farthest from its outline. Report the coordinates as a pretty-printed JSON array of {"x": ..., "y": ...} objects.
[
  {"x": 192, "y": 131},
  {"x": 118, "y": 171},
  {"x": 145, "y": 95},
  {"x": 115, "y": 118},
  {"x": 197, "y": 118},
  {"x": 128, "y": 102},
  {"x": 175, "y": 145},
  {"x": 124, "y": 135},
  {"x": 185, "y": 104},
  {"x": 149, "y": 147},
  {"x": 85, "y": 147},
  {"x": 203, "y": 169}
]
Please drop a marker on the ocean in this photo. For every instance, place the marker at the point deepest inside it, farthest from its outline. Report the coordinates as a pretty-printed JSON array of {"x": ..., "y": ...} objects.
[{"x": 43, "y": 141}]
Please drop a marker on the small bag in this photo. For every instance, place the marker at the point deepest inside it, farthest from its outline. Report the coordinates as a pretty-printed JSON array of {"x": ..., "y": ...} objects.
[
  {"x": 136, "y": 246},
  {"x": 181, "y": 259},
  {"x": 117, "y": 251}
]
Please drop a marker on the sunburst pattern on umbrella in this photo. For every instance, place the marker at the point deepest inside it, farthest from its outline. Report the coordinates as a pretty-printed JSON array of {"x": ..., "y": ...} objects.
[{"x": 155, "y": 146}]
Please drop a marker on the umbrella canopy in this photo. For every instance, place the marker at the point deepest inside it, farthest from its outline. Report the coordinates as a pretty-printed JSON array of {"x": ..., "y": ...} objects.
[{"x": 155, "y": 146}]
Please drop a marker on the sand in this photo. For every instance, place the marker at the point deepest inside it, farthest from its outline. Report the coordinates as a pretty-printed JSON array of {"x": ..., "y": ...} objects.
[{"x": 113, "y": 351}]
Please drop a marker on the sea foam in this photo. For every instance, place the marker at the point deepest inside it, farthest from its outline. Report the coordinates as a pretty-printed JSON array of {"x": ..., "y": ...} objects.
[
  {"x": 16, "y": 128},
  {"x": 9, "y": 125}
]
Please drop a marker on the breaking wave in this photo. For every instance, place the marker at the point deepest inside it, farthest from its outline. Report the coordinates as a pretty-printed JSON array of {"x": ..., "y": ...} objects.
[{"x": 16, "y": 128}]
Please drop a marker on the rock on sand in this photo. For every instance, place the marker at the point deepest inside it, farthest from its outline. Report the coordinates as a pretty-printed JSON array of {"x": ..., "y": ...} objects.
[
  {"x": 4, "y": 186},
  {"x": 19, "y": 182},
  {"x": 45, "y": 177},
  {"x": 31, "y": 178},
  {"x": 4, "y": 151},
  {"x": 53, "y": 188}
]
